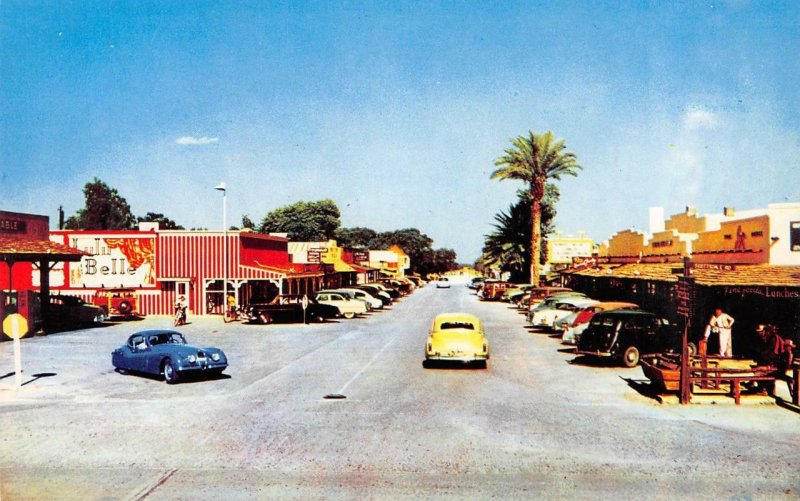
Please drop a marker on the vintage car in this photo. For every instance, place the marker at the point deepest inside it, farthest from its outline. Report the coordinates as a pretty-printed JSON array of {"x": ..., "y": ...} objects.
[
  {"x": 551, "y": 301},
  {"x": 628, "y": 334},
  {"x": 443, "y": 283},
  {"x": 515, "y": 292},
  {"x": 289, "y": 308},
  {"x": 393, "y": 293},
  {"x": 165, "y": 352},
  {"x": 72, "y": 310},
  {"x": 375, "y": 292},
  {"x": 547, "y": 317},
  {"x": 574, "y": 325},
  {"x": 475, "y": 282},
  {"x": 118, "y": 303},
  {"x": 373, "y": 302},
  {"x": 348, "y": 308},
  {"x": 538, "y": 294},
  {"x": 457, "y": 337},
  {"x": 494, "y": 291}
]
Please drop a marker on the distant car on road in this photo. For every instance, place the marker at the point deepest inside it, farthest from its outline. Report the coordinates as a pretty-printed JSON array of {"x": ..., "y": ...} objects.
[
  {"x": 628, "y": 334},
  {"x": 443, "y": 283},
  {"x": 165, "y": 353},
  {"x": 457, "y": 337}
]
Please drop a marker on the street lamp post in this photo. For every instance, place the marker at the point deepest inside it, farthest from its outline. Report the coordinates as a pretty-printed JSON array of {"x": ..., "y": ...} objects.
[{"x": 221, "y": 187}]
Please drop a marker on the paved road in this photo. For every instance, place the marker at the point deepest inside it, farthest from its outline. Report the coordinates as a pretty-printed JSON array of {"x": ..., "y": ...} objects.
[{"x": 531, "y": 425}]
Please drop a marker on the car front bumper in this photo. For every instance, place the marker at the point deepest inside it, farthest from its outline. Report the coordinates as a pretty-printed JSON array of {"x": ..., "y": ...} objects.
[{"x": 594, "y": 353}]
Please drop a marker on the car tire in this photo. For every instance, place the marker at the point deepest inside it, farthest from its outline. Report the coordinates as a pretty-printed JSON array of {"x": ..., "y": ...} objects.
[
  {"x": 349, "y": 315},
  {"x": 170, "y": 373},
  {"x": 124, "y": 307},
  {"x": 265, "y": 318},
  {"x": 630, "y": 357}
]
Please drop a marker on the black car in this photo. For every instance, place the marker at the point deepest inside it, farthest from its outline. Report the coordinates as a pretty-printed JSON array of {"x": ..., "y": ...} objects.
[
  {"x": 289, "y": 308},
  {"x": 628, "y": 334}
]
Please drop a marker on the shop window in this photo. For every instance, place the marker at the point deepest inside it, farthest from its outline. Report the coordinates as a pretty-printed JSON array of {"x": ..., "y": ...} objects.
[
  {"x": 634, "y": 288},
  {"x": 794, "y": 236},
  {"x": 651, "y": 288}
]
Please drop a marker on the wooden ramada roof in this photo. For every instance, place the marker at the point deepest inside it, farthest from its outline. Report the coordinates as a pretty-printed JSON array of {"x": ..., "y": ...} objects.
[
  {"x": 37, "y": 250},
  {"x": 741, "y": 275}
]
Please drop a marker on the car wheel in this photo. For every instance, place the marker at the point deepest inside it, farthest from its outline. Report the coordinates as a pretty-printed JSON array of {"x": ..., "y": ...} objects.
[
  {"x": 266, "y": 318},
  {"x": 692, "y": 349},
  {"x": 170, "y": 374},
  {"x": 349, "y": 315},
  {"x": 125, "y": 307},
  {"x": 630, "y": 357},
  {"x": 319, "y": 318}
]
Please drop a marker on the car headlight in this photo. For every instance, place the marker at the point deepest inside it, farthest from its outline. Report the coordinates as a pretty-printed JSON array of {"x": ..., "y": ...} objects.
[
  {"x": 215, "y": 357},
  {"x": 192, "y": 359}
]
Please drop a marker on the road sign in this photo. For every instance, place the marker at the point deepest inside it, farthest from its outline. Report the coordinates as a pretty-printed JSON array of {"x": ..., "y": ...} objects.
[{"x": 15, "y": 326}]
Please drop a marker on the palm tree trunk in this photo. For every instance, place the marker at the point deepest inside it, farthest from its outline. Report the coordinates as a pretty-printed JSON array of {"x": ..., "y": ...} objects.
[{"x": 537, "y": 193}]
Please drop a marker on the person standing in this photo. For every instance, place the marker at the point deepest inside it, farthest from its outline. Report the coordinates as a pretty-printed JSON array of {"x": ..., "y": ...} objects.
[{"x": 721, "y": 324}]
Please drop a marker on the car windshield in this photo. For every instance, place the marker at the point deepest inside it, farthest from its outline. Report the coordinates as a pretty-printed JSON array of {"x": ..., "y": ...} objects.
[
  {"x": 166, "y": 338},
  {"x": 457, "y": 325}
]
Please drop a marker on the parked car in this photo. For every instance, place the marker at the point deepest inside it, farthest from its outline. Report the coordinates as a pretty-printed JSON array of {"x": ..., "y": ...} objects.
[
  {"x": 547, "y": 317},
  {"x": 443, "y": 283},
  {"x": 289, "y": 308},
  {"x": 72, "y": 310},
  {"x": 628, "y": 334},
  {"x": 348, "y": 294},
  {"x": 493, "y": 291},
  {"x": 165, "y": 353},
  {"x": 538, "y": 294},
  {"x": 118, "y": 303},
  {"x": 574, "y": 325},
  {"x": 393, "y": 293},
  {"x": 514, "y": 293},
  {"x": 376, "y": 292},
  {"x": 551, "y": 301},
  {"x": 374, "y": 302},
  {"x": 457, "y": 337},
  {"x": 475, "y": 282},
  {"x": 348, "y": 308}
]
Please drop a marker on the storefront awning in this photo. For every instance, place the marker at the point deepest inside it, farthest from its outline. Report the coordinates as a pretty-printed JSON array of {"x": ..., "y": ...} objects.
[{"x": 290, "y": 270}]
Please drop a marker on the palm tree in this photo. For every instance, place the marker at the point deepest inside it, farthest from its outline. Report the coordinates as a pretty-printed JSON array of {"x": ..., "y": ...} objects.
[{"x": 535, "y": 159}]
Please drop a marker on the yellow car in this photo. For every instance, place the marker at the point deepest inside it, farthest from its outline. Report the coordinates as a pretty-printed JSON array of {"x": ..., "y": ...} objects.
[{"x": 457, "y": 337}]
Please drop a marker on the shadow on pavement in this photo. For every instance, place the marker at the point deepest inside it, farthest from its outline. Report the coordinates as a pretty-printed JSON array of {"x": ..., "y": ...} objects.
[
  {"x": 593, "y": 361},
  {"x": 644, "y": 387},
  {"x": 39, "y": 376},
  {"x": 186, "y": 377},
  {"x": 454, "y": 365}
]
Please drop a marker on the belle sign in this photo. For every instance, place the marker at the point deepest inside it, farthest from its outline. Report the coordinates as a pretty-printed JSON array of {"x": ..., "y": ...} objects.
[{"x": 124, "y": 261}]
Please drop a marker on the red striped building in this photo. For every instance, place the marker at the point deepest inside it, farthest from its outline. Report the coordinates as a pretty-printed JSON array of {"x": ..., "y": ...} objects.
[{"x": 161, "y": 265}]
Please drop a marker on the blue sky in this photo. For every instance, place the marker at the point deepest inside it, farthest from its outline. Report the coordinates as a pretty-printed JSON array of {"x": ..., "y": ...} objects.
[{"x": 397, "y": 110}]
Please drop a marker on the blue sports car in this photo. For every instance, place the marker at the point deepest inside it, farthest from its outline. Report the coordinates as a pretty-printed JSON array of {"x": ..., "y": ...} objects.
[{"x": 166, "y": 352}]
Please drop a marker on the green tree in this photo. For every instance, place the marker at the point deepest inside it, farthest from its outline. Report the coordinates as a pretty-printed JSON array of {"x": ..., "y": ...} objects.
[
  {"x": 105, "y": 210},
  {"x": 535, "y": 159},
  {"x": 355, "y": 237},
  {"x": 163, "y": 221},
  {"x": 508, "y": 246},
  {"x": 304, "y": 221}
]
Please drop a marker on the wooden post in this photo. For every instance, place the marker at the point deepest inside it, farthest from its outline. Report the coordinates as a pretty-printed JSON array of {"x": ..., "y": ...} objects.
[
  {"x": 796, "y": 385},
  {"x": 686, "y": 307}
]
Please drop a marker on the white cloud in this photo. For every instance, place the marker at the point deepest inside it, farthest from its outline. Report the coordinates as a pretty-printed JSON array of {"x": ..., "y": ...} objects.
[
  {"x": 191, "y": 140},
  {"x": 700, "y": 119}
]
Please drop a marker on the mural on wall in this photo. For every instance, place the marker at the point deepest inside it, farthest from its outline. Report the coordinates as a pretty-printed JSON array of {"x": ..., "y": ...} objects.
[{"x": 124, "y": 261}]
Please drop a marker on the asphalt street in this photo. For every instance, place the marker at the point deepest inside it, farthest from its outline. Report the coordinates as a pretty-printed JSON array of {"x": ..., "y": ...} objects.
[{"x": 537, "y": 423}]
